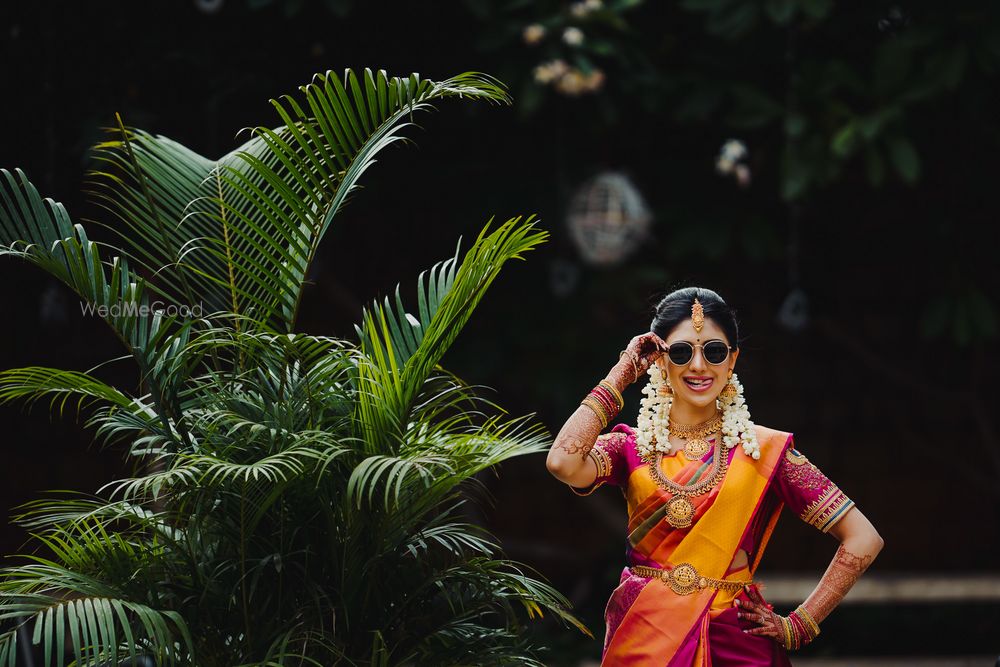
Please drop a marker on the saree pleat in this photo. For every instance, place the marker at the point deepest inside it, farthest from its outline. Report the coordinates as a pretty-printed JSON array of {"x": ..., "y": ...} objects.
[{"x": 647, "y": 623}]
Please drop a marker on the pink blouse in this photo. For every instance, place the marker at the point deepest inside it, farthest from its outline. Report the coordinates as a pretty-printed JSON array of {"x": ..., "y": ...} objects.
[{"x": 798, "y": 483}]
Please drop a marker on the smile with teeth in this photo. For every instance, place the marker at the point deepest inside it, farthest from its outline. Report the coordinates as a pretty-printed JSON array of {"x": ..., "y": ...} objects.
[{"x": 698, "y": 383}]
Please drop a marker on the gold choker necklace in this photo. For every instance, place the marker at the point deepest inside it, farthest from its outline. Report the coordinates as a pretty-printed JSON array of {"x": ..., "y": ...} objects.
[{"x": 696, "y": 446}]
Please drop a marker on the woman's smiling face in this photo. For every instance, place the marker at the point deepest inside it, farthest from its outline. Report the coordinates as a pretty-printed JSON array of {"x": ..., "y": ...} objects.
[{"x": 697, "y": 382}]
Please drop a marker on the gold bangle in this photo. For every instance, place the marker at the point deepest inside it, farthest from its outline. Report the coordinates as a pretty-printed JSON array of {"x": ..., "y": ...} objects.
[
  {"x": 631, "y": 358},
  {"x": 786, "y": 626},
  {"x": 810, "y": 622},
  {"x": 598, "y": 409}
]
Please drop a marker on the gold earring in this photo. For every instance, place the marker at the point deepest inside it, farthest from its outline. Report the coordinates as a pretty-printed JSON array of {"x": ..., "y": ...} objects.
[
  {"x": 665, "y": 388},
  {"x": 729, "y": 391}
]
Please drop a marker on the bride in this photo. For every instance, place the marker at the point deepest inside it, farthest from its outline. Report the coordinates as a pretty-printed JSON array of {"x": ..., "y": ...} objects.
[{"x": 704, "y": 486}]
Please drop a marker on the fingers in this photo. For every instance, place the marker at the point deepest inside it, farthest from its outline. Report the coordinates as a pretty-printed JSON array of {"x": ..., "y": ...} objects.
[
  {"x": 761, "y": 630},
  {"x": 754, "y": 593},
  {"x": 749, "y": 611}
]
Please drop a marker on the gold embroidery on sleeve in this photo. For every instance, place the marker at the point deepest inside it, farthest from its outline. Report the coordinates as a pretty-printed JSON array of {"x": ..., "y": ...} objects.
[
  {"x": 828, "y": 509},
  {"x": 795, "y": 457}
]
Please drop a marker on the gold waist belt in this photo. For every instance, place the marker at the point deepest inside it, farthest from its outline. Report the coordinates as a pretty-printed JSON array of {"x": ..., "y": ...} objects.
[{"x": 684, "y": 579}]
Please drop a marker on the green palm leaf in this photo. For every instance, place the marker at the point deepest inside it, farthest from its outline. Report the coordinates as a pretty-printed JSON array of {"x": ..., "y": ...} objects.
[
  {"x": 39, "y": 231},
  {"x": 237, "y": 539},
  {"x": 395, "y": 366},
  {"x": 242, "y": 231}
]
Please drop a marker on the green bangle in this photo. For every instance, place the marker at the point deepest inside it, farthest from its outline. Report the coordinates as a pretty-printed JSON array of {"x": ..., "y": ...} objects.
[{"x": 812, "y": 627}]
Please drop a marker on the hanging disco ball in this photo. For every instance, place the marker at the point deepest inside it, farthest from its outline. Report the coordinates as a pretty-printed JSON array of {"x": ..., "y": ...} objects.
[
  {"x": 209, "y": 6},
  {"x": 607, "y": 219}
]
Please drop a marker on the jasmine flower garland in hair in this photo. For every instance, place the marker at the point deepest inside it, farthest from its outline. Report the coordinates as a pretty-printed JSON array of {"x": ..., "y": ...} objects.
[
  {"x": 736, "y": 424},
  {"x": 654, "y": 420},
  {"x": 654, "y": 417}
]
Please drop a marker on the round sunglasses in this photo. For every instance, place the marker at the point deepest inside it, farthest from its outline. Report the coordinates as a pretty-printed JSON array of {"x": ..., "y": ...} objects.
[{"x": 714, "y": 351}]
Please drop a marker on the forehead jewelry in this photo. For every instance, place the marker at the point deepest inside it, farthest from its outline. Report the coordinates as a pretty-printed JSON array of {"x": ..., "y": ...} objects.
[{"x": 697, "y": 316}]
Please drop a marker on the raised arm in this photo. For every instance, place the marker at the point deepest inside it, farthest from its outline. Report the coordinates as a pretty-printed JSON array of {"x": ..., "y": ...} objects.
[{"x": 568, "y": 459}]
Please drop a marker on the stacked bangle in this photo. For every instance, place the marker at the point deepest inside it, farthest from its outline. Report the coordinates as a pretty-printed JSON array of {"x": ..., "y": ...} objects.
[
  {"x": 799, "y": 628},
  {"x": 810, "y": 628},
  {"x": 788, "y": 633},
  {"x": 605, "y": 400}
]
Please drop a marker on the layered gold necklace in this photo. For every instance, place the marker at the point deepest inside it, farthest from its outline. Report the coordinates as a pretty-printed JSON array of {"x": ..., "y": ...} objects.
[
  {"x": 680, "y": 510},
  {"x": 697, "y": 446}
]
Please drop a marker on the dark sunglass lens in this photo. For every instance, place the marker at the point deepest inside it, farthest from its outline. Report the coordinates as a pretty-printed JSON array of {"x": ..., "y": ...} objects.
[
  {"x": 716, "y": 352},
  {"x": 680, "y": 353}
]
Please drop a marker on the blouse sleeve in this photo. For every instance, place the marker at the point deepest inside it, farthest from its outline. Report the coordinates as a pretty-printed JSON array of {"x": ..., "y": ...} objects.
[
  {"x": 809, "y": 493},
  {"x": 609, "y": 453}
]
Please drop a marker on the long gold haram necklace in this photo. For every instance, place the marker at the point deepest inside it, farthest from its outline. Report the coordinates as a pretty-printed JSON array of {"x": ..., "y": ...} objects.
[{"x": 680, "y": 509}]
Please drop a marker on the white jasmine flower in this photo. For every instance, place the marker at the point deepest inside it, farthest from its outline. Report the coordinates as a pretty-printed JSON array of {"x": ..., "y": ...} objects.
[
  {"x": 654, "y": 420},
  {"x": 734, "y": 150},
  {"x": 573, "y": 36}
]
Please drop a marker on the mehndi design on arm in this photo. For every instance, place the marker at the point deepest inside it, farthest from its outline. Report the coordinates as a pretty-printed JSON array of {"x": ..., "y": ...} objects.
[
  {"x": 802, "y": 625},
  {"x": 579, "y": 434},
  {"x": 840, "y": 576}
]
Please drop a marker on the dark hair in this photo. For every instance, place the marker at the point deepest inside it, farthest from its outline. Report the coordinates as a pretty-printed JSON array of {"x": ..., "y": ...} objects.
[{"x": 675, "y": 307}]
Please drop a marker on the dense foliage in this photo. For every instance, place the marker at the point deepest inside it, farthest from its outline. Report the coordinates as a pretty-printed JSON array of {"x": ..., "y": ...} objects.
[{"x": 296, "y": 499}]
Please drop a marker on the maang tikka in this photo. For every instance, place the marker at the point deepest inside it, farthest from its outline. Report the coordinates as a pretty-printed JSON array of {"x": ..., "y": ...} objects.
[
  {"x": 697, "y": 316},
  {"x": 698, "y": 320},
  {"x": 653, "y": 421}
]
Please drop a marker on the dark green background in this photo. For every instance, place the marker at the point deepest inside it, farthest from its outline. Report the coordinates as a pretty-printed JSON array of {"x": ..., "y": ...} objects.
[{"x": 890, "y": 388}]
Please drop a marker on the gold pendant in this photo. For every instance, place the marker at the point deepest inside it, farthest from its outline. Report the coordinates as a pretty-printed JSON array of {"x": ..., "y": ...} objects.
[
  {"x": 696, "y": 448},
  {"x": 680, "y": 511},
  {"x": 684, "y": 579}
]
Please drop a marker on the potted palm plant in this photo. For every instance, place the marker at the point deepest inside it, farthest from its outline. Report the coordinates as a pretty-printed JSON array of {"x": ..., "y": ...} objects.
[{"x": 295, "y": 499}]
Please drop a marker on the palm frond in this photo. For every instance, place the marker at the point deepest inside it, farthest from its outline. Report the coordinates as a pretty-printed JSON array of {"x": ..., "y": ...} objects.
[
  {"x": 39, "y": 231},
  {"x": 242, "y": 231},
  {"x": 33, "y": 382},
  {"x": 99, "y": 629},
  {"x": 396, "y": 367}
]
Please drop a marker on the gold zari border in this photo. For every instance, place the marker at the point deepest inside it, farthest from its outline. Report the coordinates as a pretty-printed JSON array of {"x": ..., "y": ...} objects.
[{"x": 824, "y": 512}]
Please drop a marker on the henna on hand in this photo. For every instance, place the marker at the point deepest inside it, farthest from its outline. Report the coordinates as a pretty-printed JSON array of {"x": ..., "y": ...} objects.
[
  {"x": 579, "y": 434},
  {"x": 802, "y": 625},
  {"x": 640, "y": 353},
  {"x": 758, "y": 610},
  {"x": 792, "y": 631},
  {"x": 840, "y": 576}
]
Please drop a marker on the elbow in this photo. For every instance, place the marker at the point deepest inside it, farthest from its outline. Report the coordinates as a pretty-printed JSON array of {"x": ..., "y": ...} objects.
[{"x": 554, "y": 466}]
